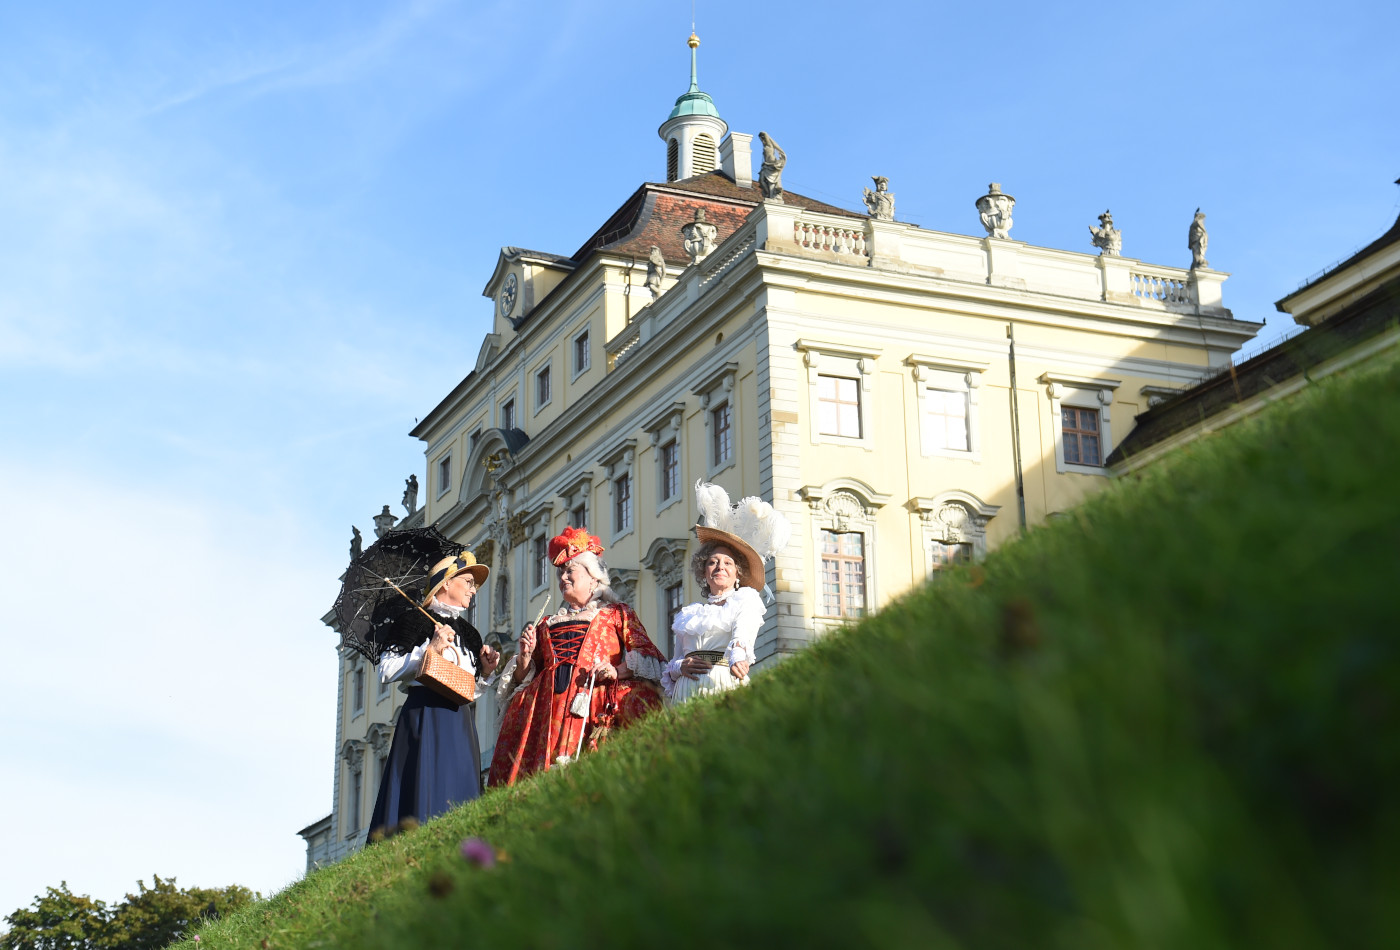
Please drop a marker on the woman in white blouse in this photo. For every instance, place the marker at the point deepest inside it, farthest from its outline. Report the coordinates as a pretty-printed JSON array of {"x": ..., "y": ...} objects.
[{"x": 714, "y": 639}]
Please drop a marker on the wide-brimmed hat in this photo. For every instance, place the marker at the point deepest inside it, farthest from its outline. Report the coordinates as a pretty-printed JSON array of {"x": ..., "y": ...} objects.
[
  {"x": 752, "y": 529},
  {"x": 449, "y": 567},
  {"x": 573, "y": 542},
  {"x": 750, "y": 564}
]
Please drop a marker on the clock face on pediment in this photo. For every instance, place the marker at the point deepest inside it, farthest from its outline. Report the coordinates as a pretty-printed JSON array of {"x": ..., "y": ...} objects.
[{"x": 508, "y": 292}]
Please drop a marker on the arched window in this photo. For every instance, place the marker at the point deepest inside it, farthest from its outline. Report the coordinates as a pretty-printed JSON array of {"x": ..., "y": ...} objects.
[
  {"x": 704, "y": 155},
  {"x": 673, "y": 160}
]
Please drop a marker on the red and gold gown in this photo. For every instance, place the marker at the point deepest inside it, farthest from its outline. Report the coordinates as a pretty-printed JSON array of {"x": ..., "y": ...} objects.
[{"x": 537, "y": 727}]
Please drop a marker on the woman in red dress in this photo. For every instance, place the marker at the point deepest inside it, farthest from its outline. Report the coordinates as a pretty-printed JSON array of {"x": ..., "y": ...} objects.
[{"x": 593, "y": 641}]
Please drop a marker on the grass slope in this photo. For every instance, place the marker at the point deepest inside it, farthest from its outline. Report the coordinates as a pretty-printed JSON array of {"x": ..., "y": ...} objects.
[{"x": 1168, "y": 720}]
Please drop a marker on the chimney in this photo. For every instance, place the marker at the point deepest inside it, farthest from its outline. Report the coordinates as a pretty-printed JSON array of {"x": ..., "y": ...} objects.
[{"x": 736, "y": 158}]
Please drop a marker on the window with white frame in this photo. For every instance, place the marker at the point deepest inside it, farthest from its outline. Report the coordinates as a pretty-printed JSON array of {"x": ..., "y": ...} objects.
[
  {"x": 718, "y": 392},
  {"x": 622, "y": 504},
  {"x": 949, "y": 555},
  {"x": 842, "y": 520},
  {"x": 358, "y": 689},
  {"x": 357, "y": 794},
  {"x": 721, "y": 434},
  {"x": 954, "y": 528},
  {"x": 539, "y": 562},
  {"x": 665, "y": 432},
  {"x": 670, "y": 482},
  {"x": 618, "y": 464},
  {"x": 508, "y": 414},
  {"x": 948, "y": 391},
  {"x": 543, "y": 387},
  {"x": 1081, "y": 406},
  {"x": 838, "y": 406},
  {"x": 671, "y": 601},
  {"x": 841, "y": 389},
  {"x": 843, "y": 574},
  {"x": 582, "y": 354},
  {"x": 444, "y": 470},
  {"x": 578, "y": 515}
]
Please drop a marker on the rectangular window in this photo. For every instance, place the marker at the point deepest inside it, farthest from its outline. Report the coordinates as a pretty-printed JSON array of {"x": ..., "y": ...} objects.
[
  {"x": 581, "y": 354},
  {"x": 542, "y": 387},
  {"x": 843, "y": 574},
  {"x": 578, "y": 517},
  {"x": 539, "y": 560},
  {"x": 622, "y": 503},
  {"x": 359, "y": 690},
  {"x": 670, "y": 470},
  {"x": 1081, "y": 435},
  {"x": 356, "y": 793},
  {"x": 950, "y": 555},
  {"x": 722, "y": 437},
  {"x": 838, "y": 406},
  {"x": 444, "y": 474},
  {"x": 508, "y": 415},
  {"x": 945, "y": 420},
  {"x": 383, "y": 689},
  {"x": 672, "y": 601},
  {"x": 471, "y": 610}
]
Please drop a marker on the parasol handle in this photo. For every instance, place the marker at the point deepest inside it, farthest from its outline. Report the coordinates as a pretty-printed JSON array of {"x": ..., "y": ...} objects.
[{"x": 415, "y": 603}]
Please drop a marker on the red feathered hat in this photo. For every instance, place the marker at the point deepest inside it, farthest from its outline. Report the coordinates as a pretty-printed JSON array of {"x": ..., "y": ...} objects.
[{"x": 572, "y": 543}]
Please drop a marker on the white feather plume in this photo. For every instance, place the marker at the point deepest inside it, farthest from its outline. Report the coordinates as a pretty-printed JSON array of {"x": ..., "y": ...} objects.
[{"x": 753, "y": 519}]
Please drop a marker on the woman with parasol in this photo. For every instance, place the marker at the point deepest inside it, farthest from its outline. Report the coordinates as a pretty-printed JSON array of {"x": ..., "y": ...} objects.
[
  {"x": 435, "y": 760},
  {"x": 715, "y": 638},
  {"x": 585, "y": 670}
]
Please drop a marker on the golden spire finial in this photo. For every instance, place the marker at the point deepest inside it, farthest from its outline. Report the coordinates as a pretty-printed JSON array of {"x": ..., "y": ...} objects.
[{"x": 693, "y": 42}]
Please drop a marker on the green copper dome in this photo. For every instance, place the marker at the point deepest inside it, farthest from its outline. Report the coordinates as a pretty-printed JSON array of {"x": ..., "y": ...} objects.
[{"x": 694, "y": 102}]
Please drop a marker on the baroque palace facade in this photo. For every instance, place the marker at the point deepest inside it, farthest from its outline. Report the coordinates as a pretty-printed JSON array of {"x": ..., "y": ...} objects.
[{"x": 908, "y": 398}]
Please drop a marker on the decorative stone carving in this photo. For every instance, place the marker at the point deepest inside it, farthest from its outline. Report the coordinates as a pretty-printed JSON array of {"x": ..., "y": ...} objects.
[
  {"x": 1107, "y": 238},
  {"x": 410, "y": 494},
  {"x": 770, "y": 174},
  {"x": 502, "y": 599},
  {"x": 353, "y": 752},
  {"x": 843, "y": 508},
  {"x": 624, "y": 584},
  {"x": 880, "y": 202},
  {"x": 666, "y": 559},
  {"x": 656, "y": 269},
  {"x": 515, "y": 527},
  {"x": 1197, "y": 239},
  {"x": 380, "y": 736},
  {"x": 357, "y": 543},
  {"x": 485, "y": 551},
  {"x": 995, "y": 209},
  {"x": 700, "y": 238},
  {"x": 384, "y": 522}
]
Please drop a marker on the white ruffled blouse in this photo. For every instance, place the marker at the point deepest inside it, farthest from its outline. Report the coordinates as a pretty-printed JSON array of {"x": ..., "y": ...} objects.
[{"x": 730, "y": 624}]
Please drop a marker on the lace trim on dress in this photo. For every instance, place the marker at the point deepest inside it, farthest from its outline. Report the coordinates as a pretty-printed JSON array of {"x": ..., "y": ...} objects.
[
  {"x": 644, "y": 667},
  {"x": 446, "y": 610},
  {"x": 506, "y": 686}
]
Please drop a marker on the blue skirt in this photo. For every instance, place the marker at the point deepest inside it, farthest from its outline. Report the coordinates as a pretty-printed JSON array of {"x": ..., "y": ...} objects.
[{"x": 434, "y": 762}]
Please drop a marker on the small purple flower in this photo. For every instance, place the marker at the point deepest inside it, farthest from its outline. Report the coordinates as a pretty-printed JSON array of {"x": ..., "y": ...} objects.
[
  {"x": 478, "y": 852},
  {"x": 196, "y": 939}
]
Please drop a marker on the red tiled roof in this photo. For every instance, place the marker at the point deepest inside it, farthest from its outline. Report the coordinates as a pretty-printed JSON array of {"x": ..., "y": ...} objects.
[{"x": 655, "y": 213}]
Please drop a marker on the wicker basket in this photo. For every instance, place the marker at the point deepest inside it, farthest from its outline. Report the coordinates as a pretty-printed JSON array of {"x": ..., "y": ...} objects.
[{"x": 446, "y": 678}]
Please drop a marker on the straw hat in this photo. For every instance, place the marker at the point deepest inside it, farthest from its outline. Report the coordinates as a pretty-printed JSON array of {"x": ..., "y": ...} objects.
[
  {"x": 449, "y": 567},
  {"x": 752, "y": 529}
]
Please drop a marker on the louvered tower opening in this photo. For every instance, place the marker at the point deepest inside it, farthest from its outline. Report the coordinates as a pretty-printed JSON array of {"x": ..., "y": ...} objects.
[
  {"x": 704, "y": 155},
  {"x": 673, "y": 160}
]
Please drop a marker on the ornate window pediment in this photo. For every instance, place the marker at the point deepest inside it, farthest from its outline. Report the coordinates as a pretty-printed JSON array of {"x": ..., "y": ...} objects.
[{"x": 666, "y": 559}]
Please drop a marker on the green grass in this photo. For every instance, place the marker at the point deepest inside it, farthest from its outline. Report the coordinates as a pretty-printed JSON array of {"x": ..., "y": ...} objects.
[{"x": 1168, "y": 720}]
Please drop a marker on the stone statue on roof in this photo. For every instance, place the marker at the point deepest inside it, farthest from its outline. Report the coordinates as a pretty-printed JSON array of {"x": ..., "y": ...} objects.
[
  {"x": 770, "y": 174},
  {"x": 995, "y": 210},
  {"x": 656, "y": 269},
  {"x": 700, "y": 237},
  {"x": 880, "y": 202},
  {"x": 1197, "y": 239},
  {"x": 410, "y": 493},
  {"x": 356, "y": 543},
  {"x": 1107, "y": 238},
  {"x": 384, "y": 522}
]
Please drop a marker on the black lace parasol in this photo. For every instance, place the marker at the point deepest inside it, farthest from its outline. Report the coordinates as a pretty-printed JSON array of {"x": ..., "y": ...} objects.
[{"x": 384, "y": 582}]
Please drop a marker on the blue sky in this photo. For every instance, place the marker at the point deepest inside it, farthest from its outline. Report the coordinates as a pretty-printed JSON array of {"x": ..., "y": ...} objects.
[{"x": 242, "y": 248}]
